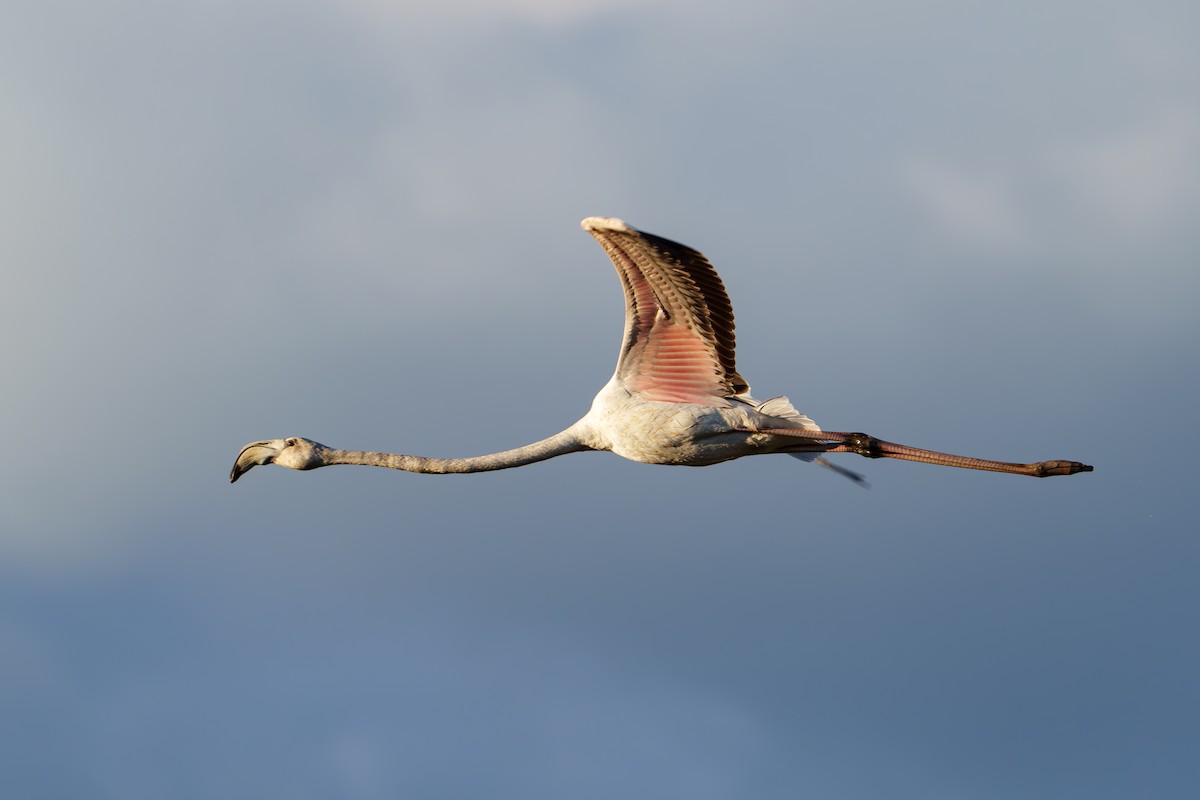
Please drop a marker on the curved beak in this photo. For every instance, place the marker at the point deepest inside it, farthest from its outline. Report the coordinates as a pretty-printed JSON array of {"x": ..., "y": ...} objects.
[{"x": 253, "y": 455}]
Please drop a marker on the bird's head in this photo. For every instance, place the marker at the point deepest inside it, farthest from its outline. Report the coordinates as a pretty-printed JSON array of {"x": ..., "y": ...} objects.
[{"x": 292, "y": 452}]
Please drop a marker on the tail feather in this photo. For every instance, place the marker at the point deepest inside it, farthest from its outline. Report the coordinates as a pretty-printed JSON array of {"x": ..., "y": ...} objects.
[{"x": 782, "y": 408}]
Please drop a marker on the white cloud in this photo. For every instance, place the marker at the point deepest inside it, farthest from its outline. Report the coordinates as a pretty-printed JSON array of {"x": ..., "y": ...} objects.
[
  {"x": 548, "y": 13},
  {"x": 1135, "y": 177},
  {"x": 976, "y": 206},
  {"x": 1116, "y": 187}
]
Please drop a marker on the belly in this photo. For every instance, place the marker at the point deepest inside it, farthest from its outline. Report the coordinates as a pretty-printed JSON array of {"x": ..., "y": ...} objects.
[{"x": 672, "y": 433}]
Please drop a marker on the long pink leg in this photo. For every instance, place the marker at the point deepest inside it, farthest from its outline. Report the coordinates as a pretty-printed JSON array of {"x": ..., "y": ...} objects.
[{"x": 869, "y": 446}]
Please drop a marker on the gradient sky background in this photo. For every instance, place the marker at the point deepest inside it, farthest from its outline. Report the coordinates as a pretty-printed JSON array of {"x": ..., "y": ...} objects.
[{"x": 965, "y": 226}]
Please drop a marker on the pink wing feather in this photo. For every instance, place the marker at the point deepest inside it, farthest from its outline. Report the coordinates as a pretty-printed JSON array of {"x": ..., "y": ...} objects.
[{"x": 679, "y": 341}]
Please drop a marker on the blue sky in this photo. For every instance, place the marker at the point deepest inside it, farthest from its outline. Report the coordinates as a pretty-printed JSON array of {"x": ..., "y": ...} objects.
[{"x": 964, "y": 227}]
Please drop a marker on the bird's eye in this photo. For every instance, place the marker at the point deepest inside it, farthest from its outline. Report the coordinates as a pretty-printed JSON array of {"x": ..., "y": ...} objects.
[{"x": 289, "y": 442}]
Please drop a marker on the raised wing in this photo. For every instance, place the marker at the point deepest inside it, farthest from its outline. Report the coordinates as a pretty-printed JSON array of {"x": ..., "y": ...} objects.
[{"x": 679, "y": 342}]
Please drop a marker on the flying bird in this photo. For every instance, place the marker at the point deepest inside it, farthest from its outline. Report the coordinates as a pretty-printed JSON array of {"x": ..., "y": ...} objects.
[{"x": 676, "y": 396}]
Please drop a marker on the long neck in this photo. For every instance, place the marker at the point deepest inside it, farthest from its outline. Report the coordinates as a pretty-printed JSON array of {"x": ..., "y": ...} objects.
[{"x": 559, "y": 444}]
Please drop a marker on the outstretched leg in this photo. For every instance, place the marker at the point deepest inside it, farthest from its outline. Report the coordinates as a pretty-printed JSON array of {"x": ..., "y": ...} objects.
[{"x": 869, "y": 446}]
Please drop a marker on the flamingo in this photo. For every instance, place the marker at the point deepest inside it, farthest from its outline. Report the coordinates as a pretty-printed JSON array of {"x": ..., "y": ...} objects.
[{"x": 676, "y": 396}]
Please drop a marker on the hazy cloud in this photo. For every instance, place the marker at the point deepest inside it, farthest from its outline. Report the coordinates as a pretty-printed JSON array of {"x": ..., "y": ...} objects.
[
  {"x": 1140, "y": 179},
  {"x": 971, "y": 227},
  {"x": 978, "y": 208}
]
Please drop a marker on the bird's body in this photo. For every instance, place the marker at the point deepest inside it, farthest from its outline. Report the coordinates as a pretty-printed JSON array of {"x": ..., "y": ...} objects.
[
  {"x": 675, "y": 398},
  {"x": 683, "y": 433}
]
